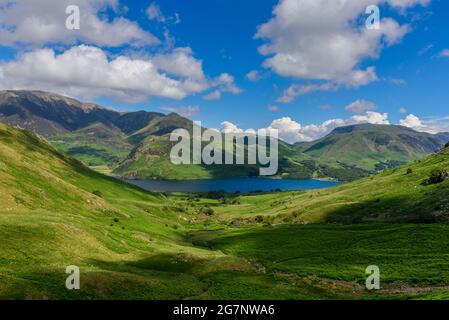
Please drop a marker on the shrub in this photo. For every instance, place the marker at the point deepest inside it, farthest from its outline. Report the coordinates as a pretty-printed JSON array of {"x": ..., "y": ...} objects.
[
  {"x": 446, "y": 145},
  {"x": 98, "y": 193},
  {"x": 208, "y": 211},
  {"x": 409, "y": 171},
  {"x": 116, "y": 220},
  {"x": 438, "y": 176}
]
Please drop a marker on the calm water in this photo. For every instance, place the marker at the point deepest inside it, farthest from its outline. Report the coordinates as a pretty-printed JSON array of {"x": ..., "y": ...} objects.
[{"x": 244, "y": 185}]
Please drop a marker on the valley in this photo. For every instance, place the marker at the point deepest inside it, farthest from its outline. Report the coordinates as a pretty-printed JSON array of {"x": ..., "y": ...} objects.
[{"x": 131, "y": 244}]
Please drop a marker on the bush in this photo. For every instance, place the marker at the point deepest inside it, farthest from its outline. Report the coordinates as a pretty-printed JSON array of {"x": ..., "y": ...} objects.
[
  {"x": 98, "y": 193},
  {"x": 446, "y": 145},
  {"x": 409, "y": 171},
  {"x": 208, "y": 211},
  {"x": 438, "y": 176},
  {"x": 116, "y": 220}
]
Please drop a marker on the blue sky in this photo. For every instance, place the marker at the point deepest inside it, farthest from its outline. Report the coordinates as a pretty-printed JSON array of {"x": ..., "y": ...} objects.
[{"x": 336, "y": 69}]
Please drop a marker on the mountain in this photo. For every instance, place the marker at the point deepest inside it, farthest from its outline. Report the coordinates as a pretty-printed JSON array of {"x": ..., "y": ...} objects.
[
  {"x": 136, "y": 144},
  {"x": 373, "y": 147},
  {"x": 48, "y": 114}
]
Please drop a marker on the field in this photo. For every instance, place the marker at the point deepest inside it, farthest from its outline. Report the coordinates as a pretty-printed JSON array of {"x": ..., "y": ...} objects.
[{"x": 130, "y": 244}]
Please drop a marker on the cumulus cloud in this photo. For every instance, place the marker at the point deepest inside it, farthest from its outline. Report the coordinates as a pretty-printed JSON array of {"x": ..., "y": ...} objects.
[
  {"x": 360, "y": 106},
  {"x": 319, "y": 40},
  {"x": 412, "y": 121},
  {"x": 180, "y": 62},
  {"x": 430, "y": 125},
  {"x": 229, "y": 127},
  {"x": 87, "y": 72},
  {"x": 292, "y": 131},
  {"x": 41, "y": 22}
]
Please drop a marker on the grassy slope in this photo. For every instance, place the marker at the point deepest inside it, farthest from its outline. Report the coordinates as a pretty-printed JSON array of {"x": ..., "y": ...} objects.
[
  {"x": 366, "y": 146},
  {"x": 413, "y": 258},
  {"x": 128, "y": 243},
  {"x": 95, "y": 145},
  {"x": 392, "y": 196},
  {"x": 50, "y": 219}
]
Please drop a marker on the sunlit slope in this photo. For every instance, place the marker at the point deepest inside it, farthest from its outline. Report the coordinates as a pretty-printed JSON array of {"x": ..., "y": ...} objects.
[
  {"x": 50, "y": 219},
  {"x": 374, "y": 147},
  {"x": 396, "y": 195},
  {"x": 128, "y": 244}
]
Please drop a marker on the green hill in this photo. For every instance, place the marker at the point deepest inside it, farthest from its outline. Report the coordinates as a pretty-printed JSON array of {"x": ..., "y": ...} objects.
[
  {"x": 129, "y": 244},
  {"x": 373, "y": 147}
]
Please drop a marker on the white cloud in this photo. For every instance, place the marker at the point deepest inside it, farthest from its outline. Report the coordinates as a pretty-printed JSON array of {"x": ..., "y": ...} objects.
[
  {"x": 225, "y": 83},
  {"x": 360, "y": 106},
  {"x": 296, "y": 90},
  {"x": 214, "y": 95},
  {"x": 256, "y": 75},
  {"x": 320, "y": 40},
  {"x": 40, "y": 22},
  {"x": 292, "y": 131},
  {"x": 229, "y": 127},
  {"x": 412, "y": 121},
  {"x": 353, "y": 79},
  {"x": 430, "y": 125},
  {"x": 402, "y": 110},
  {"x": 369, "y": 117},
  {"x": 185, "y": 111},
  {"x": 88, "y": 72},
  {"x": 288, "y": 130},
  {"x": 444, "y": 53},
  {"x": 180, "y": 62},
  {"x": 154, "y": 13}
]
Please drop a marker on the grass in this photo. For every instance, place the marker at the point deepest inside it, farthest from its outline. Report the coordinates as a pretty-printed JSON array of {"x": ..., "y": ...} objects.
[
  {"x": 415, "y": 254},
  {"x": 130, "y": 244}
]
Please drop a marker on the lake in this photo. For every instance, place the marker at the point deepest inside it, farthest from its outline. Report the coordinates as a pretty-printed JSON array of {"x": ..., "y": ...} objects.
[{"x": 244, "y": 185}]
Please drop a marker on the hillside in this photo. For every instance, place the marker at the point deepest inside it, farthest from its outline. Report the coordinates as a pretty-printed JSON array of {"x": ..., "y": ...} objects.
[
  {"x": 373, "y": 147},
  {"x": 48, "y": 114},
  {"x": 129, "y": 244},
  {"x": 399, "y": 195}
]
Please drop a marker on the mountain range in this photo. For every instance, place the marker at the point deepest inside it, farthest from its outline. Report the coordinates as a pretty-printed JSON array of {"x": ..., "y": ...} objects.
[{"x": 136, "y": 144}]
